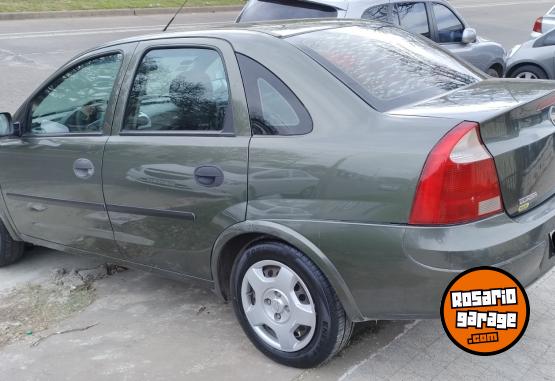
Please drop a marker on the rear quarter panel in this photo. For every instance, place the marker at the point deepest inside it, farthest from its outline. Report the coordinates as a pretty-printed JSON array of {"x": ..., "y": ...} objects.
[{"x": 357, "y": 164}]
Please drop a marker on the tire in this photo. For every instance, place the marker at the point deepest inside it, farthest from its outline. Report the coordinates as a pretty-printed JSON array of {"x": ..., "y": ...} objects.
[
  {"x": 492, "y": 72},
  {"x": 529, "y": 72},
  {"x": 328, "y": 328},
  {"x": 10, "y": 251}
]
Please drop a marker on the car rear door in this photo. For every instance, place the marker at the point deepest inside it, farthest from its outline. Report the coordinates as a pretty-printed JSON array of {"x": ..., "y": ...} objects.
[
  {"x": 380, "y": 12},
  {"x": 412, "y": 16},
  {"x": 51, "y": 179},
  {"x": 175, "y": 167}
]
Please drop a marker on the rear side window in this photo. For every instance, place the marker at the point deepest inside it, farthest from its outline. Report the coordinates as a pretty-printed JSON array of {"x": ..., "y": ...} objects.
[
  {"x": 386, "y": 66},
  {"x": 379, "y": 12},
  {"x": 263, "y": 10},
  {"x": 273, "y": 108},
  {"x": 182, "y": 89},
  {"x": 412, "y": 17},
  {"x": 449, "y": 27}
]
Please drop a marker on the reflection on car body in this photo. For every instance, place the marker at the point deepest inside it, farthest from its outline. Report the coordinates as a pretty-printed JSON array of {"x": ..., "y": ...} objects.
[
  {"x": 178, "y": 177},
  {"x": 289, "y": 182}
]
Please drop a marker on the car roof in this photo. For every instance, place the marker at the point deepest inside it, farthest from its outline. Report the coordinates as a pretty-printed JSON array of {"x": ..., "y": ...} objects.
[{"x": 278, "y": 29}]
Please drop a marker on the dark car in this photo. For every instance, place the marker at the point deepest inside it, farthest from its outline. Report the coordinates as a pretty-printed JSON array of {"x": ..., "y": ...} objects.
[{"x": 316, "y": 174}]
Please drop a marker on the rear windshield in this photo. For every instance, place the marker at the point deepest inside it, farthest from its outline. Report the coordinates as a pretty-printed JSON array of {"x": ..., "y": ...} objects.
[
  {"x": 386, "y": 66},
  {"x": 263, "y": 10}
]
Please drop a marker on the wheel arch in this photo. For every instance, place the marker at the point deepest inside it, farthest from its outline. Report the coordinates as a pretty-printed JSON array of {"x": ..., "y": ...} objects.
[
  {"x": 520, "y": 64},
  {"x": 6, "y": 220},
  {"x": 498, "y": 67},
  {"x": 233, "y": 241}
]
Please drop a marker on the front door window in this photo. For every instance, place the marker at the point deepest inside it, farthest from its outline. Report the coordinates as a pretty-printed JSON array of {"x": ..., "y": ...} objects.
[
  {"x": 449, "y": 27},
  {"x": 76, "y": 101}
]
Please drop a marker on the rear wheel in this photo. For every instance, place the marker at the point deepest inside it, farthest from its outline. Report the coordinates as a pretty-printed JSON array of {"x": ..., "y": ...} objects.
[
  {"x": 529, "y": 72},
  {"x": 10, "y": 251},
  {"x": 287, "y": 307}
]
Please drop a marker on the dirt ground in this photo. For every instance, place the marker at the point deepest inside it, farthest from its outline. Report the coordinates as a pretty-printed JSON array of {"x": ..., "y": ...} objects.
[
  {"x": 34, "y": 307},
  {"x": 130, "y": 325}
]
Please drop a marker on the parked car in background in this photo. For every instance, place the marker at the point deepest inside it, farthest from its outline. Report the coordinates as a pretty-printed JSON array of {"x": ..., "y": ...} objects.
[
  {"x": 315, "y": 173},
  {"x": 534, "y": 59},
  {"x": 434, "y": 19},
  {"x": 544, "y": 23}
]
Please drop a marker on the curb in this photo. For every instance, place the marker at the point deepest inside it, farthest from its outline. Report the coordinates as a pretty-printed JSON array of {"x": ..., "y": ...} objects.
[{"x": 115, "y": 12}]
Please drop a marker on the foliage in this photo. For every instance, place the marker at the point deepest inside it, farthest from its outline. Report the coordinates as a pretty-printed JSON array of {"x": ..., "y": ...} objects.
[{"x": 66, "y": 5}]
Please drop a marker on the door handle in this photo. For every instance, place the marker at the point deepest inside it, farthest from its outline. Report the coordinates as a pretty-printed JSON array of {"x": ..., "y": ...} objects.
[
  {"x": 209, "y": 176},
  {"x": 83, "y": 168}
]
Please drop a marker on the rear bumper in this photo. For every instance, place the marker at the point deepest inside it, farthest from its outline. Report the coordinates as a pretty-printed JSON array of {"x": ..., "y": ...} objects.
[
  {"x": 498, "y": 241},
  {"x": 536, "y": 34},
  {"x": 523, "y": 248},
  {"x": 401, "y": 272}
]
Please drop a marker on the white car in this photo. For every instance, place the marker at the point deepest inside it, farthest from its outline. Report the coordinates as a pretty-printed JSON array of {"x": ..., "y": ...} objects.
[{"x": 544, "y": 23}]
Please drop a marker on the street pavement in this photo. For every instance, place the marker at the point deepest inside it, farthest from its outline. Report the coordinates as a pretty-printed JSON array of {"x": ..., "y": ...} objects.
[
  {"x": 143, "y": 327},
  {"x": 149, "y": 328},
  {"x": 30, "y": 50}
]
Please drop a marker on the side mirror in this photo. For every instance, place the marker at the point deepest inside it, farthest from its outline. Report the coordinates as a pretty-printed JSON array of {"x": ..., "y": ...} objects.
[
  {"x": 469, "y": 36},
  {"x": 6, "y": 126}
]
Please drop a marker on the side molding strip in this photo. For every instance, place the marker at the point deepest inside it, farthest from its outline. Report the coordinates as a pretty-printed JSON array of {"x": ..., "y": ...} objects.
[
  {"x": 110, "y": 208},
  {"x": 57, "y": 201},
  {"x": 151, "y": 212}
]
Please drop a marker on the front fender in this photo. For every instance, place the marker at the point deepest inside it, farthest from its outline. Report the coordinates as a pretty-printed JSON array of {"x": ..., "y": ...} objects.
[
  {"x": 493, "y": 54},
  {"x": 286, "y": 234}
]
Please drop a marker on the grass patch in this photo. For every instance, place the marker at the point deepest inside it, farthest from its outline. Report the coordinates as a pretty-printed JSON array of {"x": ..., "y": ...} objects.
[
  {"x": 29, "y": 310},
  {"x": 73, "y": 5}
]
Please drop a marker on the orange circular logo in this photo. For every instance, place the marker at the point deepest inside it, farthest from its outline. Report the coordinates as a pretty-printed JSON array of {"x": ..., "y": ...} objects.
[{"x": 485, "y": 311}]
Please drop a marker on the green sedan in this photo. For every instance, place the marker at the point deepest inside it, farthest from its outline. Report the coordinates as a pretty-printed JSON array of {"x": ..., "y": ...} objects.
[{"x": 315, "y": 173}]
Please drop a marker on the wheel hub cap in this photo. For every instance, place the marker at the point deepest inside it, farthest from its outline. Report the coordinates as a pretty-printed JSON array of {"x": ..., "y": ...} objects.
[{"x": 278, "y": 306}]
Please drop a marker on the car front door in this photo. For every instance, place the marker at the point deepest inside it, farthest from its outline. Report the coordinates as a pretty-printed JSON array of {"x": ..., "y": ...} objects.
[
  {"x": 51, "y": 176},
  {"x": 175, "y": 168},
  {"x": 449, "y": 31}
]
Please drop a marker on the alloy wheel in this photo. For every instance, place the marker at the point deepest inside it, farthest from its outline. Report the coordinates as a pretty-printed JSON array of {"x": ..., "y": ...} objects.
[{"x": 527, "y": 75}]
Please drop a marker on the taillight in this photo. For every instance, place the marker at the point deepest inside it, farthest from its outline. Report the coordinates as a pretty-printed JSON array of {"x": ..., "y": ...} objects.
[
  {"x": 459, "y": 182},
  {"x": 538, "y": 25}
]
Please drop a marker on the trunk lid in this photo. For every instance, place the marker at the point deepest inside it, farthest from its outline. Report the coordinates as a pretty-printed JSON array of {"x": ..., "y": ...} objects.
[{"x": 517, "y": 125}]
